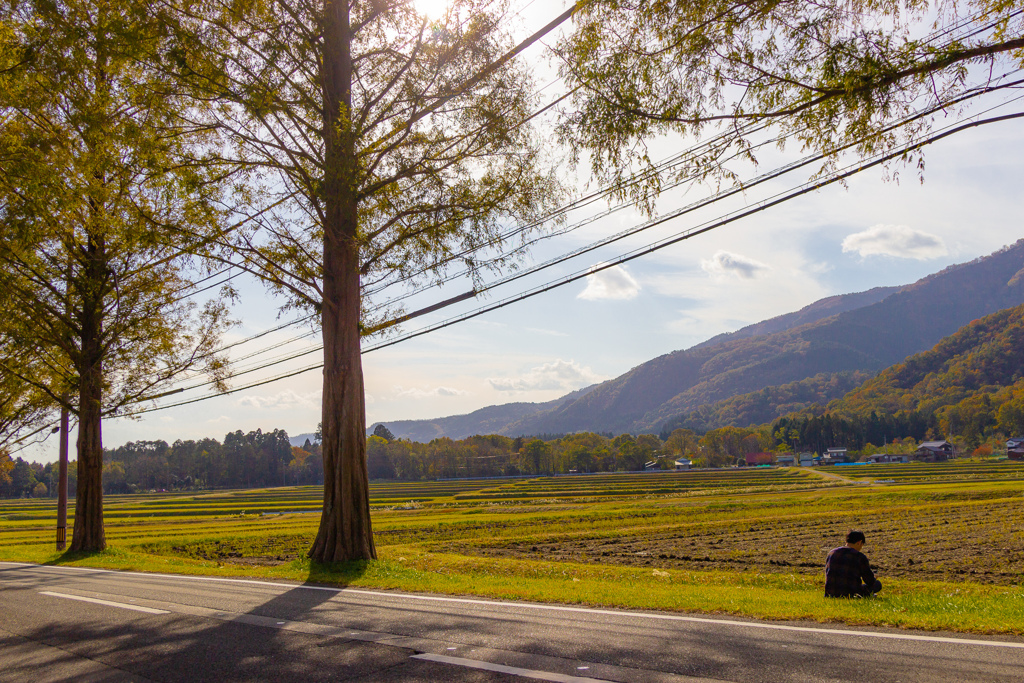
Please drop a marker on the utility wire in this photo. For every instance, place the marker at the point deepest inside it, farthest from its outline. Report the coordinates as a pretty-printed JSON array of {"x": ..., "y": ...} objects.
[
  {"x": 775, "y": 200},
  {"x": 529, "y": 271},
  {"x": 667, "y": 164}
]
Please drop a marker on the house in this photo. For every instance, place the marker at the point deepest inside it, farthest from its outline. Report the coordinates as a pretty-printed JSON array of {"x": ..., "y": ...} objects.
[
  {"x": 788, "y": 460},
  {"x": 834, "y": 456},
  {"x": 651, "y": 465},
  {"x": 683, "y": 464},
  {"x": 753, "y": 459},
  {"x": 1015, "y": 448},
  {"x": 878, "y": 458},
  {"x": 934, "y": 451},
  {"x": 807, "y": 459}
]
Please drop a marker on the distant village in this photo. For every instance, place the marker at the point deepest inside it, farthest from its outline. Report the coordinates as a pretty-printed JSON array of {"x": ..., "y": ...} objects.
[{"x": 927, "y": 451}]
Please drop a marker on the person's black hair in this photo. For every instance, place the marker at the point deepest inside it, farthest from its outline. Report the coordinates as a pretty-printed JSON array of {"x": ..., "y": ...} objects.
[{"x": 855, "y": 536}]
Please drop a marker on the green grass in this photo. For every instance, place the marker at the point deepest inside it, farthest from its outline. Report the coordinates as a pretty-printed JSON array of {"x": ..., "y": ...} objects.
[{"x": 745, "y": 542}]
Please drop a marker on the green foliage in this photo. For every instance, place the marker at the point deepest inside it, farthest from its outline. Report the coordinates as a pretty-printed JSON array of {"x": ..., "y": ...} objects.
[
  {"x": 242, "y": 460},
  {"x": 727, "y": 445},
  {"x": 102, "y": 195},
  {"x": 436, "y": 169},
  {"x": 383, "y": 432},
  {"x": 971, "y": 385},
  {"x": 831, "y": 74}
]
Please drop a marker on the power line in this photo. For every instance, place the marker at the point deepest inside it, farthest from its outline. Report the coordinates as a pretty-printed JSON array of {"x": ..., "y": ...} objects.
[
  {"x": 667, "y": 164},
  {"x": 775, "y": 200},
  {"x": 742, "y": 187},
  {"x": 529, "y": 271}
]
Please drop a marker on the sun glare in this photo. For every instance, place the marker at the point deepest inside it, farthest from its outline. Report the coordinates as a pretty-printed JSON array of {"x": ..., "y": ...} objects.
[{"x": 432, "y": 9}]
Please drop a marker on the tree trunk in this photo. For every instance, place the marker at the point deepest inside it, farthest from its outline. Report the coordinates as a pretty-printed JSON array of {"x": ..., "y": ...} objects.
[
  {"x": 88, "y": 534},
  {"x": 345, "y": 532}
]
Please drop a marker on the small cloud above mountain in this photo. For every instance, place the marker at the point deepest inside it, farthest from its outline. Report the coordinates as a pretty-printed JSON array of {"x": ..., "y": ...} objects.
[
  {"x": 282, "y": 400},
  {"x": 612, "y": 283},
  {"x": 725, "y": 263},
  {"x": 436, "y": 392},
  {"x": 899, "y": 241},
  {"x": 561, "y": 374}
]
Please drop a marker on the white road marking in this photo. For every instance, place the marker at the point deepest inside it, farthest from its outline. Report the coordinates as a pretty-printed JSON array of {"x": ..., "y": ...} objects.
[
  {"x": 553, "y": 608},
  {"x": 499, "y": 668},
  {"x": 137, "y": 608}
]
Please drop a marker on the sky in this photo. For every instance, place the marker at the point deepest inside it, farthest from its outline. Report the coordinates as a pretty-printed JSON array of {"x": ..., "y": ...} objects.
[{"x": 873, "y": 232}]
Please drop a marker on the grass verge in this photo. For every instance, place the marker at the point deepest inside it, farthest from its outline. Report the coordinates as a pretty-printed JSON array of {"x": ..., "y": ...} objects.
[{"x": 964, "y": 607}]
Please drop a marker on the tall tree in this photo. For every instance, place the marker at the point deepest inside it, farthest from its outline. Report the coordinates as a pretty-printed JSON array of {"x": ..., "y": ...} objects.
[
  {"x": 830, "y": 74},
  {"x": 393, "y": 147},
  {"x": 98, "y": 184}
]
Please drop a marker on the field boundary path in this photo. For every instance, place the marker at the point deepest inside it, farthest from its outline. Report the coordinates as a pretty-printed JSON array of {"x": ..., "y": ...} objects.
[
  {"x": 832, "y": 475},
  {"x": 90, "y": 624}
]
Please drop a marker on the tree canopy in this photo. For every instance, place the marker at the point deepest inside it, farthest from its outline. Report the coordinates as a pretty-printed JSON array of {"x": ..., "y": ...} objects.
[
  {"x": 99, "y": 182},
  {"x": 386, "y": 148},
  {"x": 827, "y": 74}
]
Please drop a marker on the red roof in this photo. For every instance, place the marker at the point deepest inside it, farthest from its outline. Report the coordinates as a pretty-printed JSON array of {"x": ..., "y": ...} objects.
[{"x": 760, "y": 458}]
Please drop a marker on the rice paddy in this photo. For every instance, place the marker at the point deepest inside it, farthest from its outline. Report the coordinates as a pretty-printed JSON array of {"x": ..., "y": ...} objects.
[{"x": 947, "y": 540}]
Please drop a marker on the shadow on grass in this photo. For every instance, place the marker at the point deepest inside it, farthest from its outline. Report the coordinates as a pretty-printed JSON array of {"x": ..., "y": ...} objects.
[
  {"x": 71, "y": 556},
  {"x": 334, "y": 573}
]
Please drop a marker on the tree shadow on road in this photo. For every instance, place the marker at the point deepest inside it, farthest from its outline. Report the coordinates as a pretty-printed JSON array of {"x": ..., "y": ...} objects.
[{"x": 236, "y": 632}]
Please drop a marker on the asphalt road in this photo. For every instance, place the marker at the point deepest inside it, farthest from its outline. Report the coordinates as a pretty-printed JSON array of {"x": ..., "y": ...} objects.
[{"x": 60, "y": 624}]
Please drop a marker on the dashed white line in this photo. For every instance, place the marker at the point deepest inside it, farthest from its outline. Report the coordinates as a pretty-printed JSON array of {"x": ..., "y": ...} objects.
[
  {"x": 500, "y": 668},
  {"x": 108, "y": 603}
]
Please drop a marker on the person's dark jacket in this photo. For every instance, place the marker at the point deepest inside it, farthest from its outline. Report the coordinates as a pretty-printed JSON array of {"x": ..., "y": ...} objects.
[{"x": 847, "y": 573}]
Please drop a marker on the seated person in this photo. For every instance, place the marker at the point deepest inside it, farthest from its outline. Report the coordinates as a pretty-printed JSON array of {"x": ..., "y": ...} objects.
[{"x": 848, "y": 572}]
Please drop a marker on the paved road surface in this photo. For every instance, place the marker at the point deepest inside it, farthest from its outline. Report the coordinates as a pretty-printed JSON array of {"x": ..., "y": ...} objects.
[{"x": 60, "y": 623}]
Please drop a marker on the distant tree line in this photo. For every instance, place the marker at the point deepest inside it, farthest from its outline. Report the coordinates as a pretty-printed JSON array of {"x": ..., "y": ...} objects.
[
  {"x": 256, "y": 459},
  {"x": 22, "y": 479},
  {"x": 496, "y": 456},
  {"x": 263, "y": 459},
  {"x": 818, "y": 433}
]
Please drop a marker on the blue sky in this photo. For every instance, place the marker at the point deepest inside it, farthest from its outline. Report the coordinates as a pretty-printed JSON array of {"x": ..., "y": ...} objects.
[{"x": 837, "y": 240}]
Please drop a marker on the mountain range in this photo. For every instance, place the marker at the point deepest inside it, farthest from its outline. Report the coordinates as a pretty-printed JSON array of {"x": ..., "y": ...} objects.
[{"x": 825, "y": 346}]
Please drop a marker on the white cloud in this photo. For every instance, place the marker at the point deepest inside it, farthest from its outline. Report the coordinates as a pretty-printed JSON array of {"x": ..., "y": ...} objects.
[
  {"x": 895, "y": 240},
  {"x": 561, "y": 374},
  {"x": 218, "y": 420},
  {"x": 727, "y": 263},
  {"x": 820, "y": 268},
  {"x": 436, "y": 392},
  {"x": 550, "y": 333},
  {"x": 611, "y": 283},
  {"x": 282, "y": 400}
]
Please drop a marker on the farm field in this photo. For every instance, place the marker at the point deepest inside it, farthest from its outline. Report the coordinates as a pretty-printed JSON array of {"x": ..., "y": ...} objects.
[
  {"x": 949, "y": 548},
  {"x": 913, "y": 472}
]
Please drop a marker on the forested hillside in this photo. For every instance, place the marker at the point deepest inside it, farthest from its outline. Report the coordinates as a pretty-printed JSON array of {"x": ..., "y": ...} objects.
[
  {"x": 489, "y": 420},
  {"x": 973, "y": 381},
  {"x": 969, "y": 388},
  {"x": 869, "y": 339},
  {"x": 768, "y": 404},
  {"x": 824, "y": 343}
]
